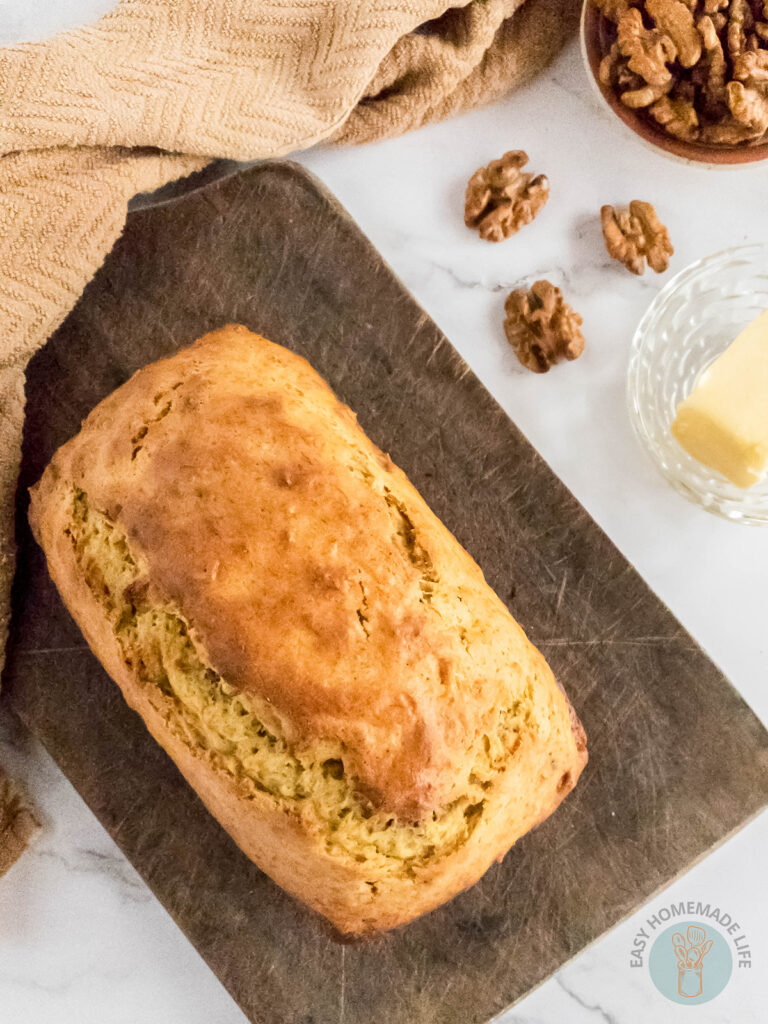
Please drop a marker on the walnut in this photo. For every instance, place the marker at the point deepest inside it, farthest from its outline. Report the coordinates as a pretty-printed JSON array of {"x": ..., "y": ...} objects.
[
  {"x": 635, "y": 236},
  {"x": 644, "y": 96},
  {"x": 678, "y": 116},
  {"x": 612, "y": 9},
  {"x": 541, "y": 327},
  {"x": 709, "y": 36},
  {"x": 714, "y": 59},
  {"x": 740, "y": 20},
  {"x": 747, "y": 93},
  {"x": 501, "y": 198},
  {"x": 608, "y": 64},
  {"x": 675, "y": 21},
  {"x": 627, "y": 79},
  {"x": 614, "y": 70},
  {"x": 649, "y": 51},
  {"x": 749, "y": 107},
  {"x": 726, "y": 133},
  {"x": 752, "y": 68}
]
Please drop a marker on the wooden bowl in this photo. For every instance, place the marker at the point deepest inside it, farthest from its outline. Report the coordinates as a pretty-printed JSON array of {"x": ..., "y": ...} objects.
[{"x": 592, "y": 48}]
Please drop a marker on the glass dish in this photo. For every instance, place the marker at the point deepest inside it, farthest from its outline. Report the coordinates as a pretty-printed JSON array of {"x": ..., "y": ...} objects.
[{"x": 689, "y": 323}]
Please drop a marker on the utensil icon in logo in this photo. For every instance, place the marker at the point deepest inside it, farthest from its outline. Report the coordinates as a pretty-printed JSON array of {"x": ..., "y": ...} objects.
[{"x": 690, "y": 955}]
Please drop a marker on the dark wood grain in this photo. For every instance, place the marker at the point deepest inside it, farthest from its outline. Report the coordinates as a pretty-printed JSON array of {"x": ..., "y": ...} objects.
[{"x": 677, "y": 760}]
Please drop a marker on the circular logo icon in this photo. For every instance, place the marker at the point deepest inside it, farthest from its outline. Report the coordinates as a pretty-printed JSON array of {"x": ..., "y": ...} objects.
[{"x": 690, "y": 963}]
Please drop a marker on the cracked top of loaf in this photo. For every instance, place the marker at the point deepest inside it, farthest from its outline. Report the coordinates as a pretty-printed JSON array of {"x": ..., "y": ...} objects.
[{"x": 312, "y": 575}]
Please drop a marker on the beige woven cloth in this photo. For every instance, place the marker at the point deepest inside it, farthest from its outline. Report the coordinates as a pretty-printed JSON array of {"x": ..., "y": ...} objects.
[
  {"x": 157, "y": 87},
  {"x": 18, "y": 823}
]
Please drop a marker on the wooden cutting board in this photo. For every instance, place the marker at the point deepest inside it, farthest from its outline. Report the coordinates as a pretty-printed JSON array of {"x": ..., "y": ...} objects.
[{"x": 677, "y": 759}]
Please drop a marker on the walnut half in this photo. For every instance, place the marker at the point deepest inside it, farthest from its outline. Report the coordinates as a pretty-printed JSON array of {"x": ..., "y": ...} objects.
[
  {"x": 635, "y": 236},
  {"x": 501, "y": 198},
  {"x": 541, "y": 327}
]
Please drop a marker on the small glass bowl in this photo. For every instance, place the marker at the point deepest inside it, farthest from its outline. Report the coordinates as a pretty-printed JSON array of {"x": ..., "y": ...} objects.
[{"x": 687, "y": 326}]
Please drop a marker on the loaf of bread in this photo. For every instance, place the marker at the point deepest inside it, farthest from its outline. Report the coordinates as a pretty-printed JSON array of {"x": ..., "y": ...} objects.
[{"x": 317, "y": 653}]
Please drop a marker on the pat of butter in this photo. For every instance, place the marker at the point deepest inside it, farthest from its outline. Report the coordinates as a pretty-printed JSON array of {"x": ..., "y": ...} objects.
[{"x": 724, "y": 421}]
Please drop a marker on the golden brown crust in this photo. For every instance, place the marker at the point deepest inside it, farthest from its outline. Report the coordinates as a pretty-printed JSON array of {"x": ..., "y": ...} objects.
[{"x": 316, "y": 578}]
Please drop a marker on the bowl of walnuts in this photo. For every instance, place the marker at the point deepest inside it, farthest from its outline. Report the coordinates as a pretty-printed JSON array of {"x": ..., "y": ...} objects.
[{"x": 689, "y": 77}]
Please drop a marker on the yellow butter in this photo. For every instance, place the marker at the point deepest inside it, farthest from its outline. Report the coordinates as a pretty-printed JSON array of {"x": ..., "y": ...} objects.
[{"x": 724, "y": 421}]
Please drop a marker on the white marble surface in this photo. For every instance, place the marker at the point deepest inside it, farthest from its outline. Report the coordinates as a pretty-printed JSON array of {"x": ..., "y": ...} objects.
[{"x": 81, "y": 939}]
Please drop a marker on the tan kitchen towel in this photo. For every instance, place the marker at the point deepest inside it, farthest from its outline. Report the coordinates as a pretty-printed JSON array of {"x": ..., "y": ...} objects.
[
  {"x": 157, "y": 87},
  {"x": 17, "y": 823}
]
